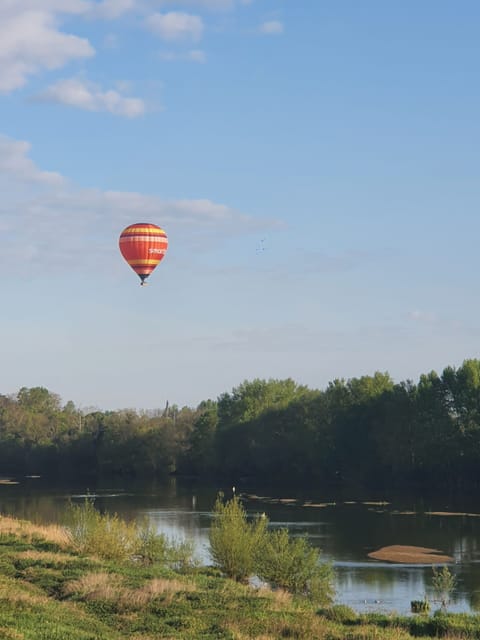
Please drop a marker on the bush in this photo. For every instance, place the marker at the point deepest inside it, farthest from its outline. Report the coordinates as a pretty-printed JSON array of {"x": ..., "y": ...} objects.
[
  {"x": 420, "y": 606},
  {"x": 443, "y": 584},
  {"x": 180, "y": 555},
  {"x": 293, "y": 564},
  {"x": 112, "y": 538},
  {"x": 101, "y": 534},
  {"x": 235, "y": 542},
  {"x": 151, "y": 546},
  {"x": 340, "y": 613}
]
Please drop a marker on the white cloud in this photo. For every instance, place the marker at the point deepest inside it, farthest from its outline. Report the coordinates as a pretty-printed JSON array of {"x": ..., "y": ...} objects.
[
  {"x": 30, "y": 39},
  {"x": 111, "y": 9},
  {"x": 194, "y": 55},
  {"x": 211, "y": 5},
  {"x": 176, "y": 26},
  {"x": 38, "y": 205},
  {"x": 88, "y": 96},
  {"x": 275, "y": 339},
  {"x": 33, "y": 38},
  {"x": 14, "y": 162},
  {"x": 272, "y": 27},
  {"x": 14, "y": 7}
]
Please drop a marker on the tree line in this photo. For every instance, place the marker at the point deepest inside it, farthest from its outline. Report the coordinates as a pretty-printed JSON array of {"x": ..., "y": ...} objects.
[{"x": 363, "y": 430}]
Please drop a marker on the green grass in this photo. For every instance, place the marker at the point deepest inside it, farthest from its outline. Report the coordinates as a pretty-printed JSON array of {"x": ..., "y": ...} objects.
[{"x": 55, "y": 592}]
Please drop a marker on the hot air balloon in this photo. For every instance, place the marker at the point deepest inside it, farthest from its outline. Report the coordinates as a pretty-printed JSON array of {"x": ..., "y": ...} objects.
[{"x": 143, "y": 245}]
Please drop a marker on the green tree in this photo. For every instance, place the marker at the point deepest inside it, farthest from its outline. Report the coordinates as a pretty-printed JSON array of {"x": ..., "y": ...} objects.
[
  {"x": 234, "y": 541},
  {"x": 354, "y": 407},
  {"x": 200, "y": 457},
  {"x": 443, "y": 583},
  {"x": 250, "y": 399},
  {"x": 294, "y": 565},
  {"x": 240, "y": 418},
  {"x": 395, "y": 432},
  {"x": 38, "y": 400},
  {"x": 435, "y": 432}
]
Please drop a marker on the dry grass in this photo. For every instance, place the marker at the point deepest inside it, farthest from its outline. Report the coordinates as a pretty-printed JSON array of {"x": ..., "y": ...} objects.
[
  {"x": 139, "y": 598},
  {"x": 410, "y": 555},
  {"x": 160, "y": 585},
  {"x": 29, "y": 531},
  {"x": 301, "y": 627},
  {"x": 107, "y": 586},
  {"x": 10, "y": 634},
  {"x": 14, "y": 597},
  {"x": 144, "y": 637},
  {"x": 16, "y": 591},
  {"x": 46, "y": 557},
  {"x": 240, "y": 635},
  {"x": 95, "y": 586},
  {"x": 279, "y": 597}
]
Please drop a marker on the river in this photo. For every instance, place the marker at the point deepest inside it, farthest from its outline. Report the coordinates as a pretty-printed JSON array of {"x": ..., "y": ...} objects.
[{"x": 346, "y": 527}]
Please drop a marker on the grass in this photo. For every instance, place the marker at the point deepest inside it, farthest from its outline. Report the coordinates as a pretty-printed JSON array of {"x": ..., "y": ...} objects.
[
  {"x": 50, "y": 590},
  {"x": 29, "y": 531},
  {"x": 107, "y": 587}
]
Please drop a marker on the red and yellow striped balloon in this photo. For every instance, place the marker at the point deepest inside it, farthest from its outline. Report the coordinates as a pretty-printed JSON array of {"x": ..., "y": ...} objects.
[{"x": 143, "y": 246}]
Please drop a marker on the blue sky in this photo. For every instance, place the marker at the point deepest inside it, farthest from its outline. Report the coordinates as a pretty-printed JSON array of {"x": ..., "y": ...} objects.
[{"x": 341, "y": 138}]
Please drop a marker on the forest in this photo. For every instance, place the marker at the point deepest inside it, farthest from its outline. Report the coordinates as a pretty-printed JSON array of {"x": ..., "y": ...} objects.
[{"x": 367, "y": 430}]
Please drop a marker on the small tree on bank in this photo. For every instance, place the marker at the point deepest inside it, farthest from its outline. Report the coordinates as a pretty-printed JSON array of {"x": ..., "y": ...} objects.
[
  {"x": 242, "y": 549},
  {"x": 294, "y": 565},
  {"x": 443, "y": 583},
  {"x": 234, "y": 542}
]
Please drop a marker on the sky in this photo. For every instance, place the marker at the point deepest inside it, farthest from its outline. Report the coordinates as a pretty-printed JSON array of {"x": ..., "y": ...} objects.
[{"x": 315, "y": 165}]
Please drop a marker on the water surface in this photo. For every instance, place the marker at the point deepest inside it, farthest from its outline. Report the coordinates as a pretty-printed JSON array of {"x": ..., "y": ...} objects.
[{"x": 345, "y": 527}]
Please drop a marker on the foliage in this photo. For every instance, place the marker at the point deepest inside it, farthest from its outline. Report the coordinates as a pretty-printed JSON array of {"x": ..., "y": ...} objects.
[
  {"x": 443, "y": 584},
  {"x": 420, "y": 606},
  {"x": 340, "y": 613},
  {"x": 367, "y": 430},
  {"x": 200, "y": 454},
  {"x": 104, "y": 535},
  {"x": 180, "y": 555},
  {"x": 60, "y": 595},
  {"x": 234, "y": 541},
  {"x": 109, "y": 537},
  {"x": 151, "y": 547},
  {"x": 294, "y": 565}
]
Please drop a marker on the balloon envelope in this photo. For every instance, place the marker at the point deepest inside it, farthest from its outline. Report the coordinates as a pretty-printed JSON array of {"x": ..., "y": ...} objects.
[{"x": 143, "y": 245}]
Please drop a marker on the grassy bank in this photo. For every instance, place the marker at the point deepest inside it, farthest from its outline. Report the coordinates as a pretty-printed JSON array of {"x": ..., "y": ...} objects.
[{"x": 52, "y": 590}]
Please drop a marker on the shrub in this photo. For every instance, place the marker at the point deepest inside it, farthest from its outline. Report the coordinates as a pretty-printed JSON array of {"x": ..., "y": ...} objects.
[
  {"x": 420, "y": 606},
  {"x": 151, "y": 546},
  {"x": 112, "y": 538},
  {"x": 443, "y": 585},
  {"x": 101, "y": 534},
  {"x": 180, "y": 555},
  {"x": 293, "y": 564},
  {"x": 234, "y": 542},
  {"x": 340, "y": 613}
]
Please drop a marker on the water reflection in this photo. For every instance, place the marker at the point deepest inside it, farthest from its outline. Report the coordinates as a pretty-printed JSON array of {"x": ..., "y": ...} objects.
[{"x": 345, "y": 530}]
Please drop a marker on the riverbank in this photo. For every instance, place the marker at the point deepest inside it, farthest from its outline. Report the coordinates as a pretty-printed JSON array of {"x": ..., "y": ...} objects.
[{"x": 49, "y": 591}]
